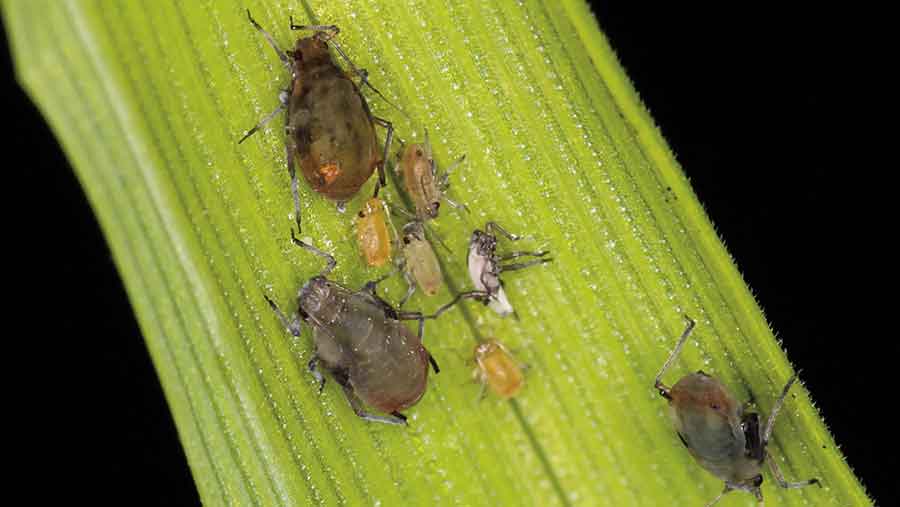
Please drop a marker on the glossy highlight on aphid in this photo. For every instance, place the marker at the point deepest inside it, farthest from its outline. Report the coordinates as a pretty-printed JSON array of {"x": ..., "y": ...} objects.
[
  {"x": 420, "y": 179},
  {"x": 330, "y": 131},
  {"x": 361, "y": 341},
  {"x": 419, "y": 263},
  {"x": 719, "y": 434},
  {"x": 373, "y": 232},
  {"x": 498, "y": 369},
  {"x": 485, "y": 265}
]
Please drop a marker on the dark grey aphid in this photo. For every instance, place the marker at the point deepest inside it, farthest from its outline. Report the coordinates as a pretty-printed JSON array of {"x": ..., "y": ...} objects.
[
  {"x": 717, "y": 432},
  {"x": 485, "y": 268},
  {"x": 360, "y": 339}
]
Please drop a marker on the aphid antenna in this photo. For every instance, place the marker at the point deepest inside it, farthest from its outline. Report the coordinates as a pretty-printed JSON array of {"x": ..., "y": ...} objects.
[
  {"x": 658, "y": 384},
  {"x": 363, "y": 74},
  {"x": 331, "y": 261},
  {"x": 282, "y": 55}
]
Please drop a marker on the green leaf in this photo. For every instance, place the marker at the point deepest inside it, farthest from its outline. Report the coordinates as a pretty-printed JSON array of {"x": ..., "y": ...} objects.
[{"x": 149, "y": 101}]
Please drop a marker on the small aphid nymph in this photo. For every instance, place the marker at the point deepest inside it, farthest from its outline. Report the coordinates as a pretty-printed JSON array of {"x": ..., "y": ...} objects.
[
  {"x": 485, "y": 268},
  {"x": 497, "y": 369},
  {"x": 330, "y": 129},
  {"x": 373, "y": 232},
  {"x": 724, "y": 440},
  {"x": 425, "y": 188},
  {"x": 360, "y": 339},
  {"x": 419, "y": 263}
]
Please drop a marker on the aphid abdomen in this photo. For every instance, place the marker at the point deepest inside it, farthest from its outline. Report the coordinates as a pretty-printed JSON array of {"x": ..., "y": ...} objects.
[
  {"x": 393, "y": 373},
  {"x": 334, "y": 135},
  {"x": 708, "y": 419}
]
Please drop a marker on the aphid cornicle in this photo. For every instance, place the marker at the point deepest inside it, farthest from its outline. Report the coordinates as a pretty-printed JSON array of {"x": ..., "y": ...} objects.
[
  {"x": 330, "y": 130},
  {"x": 373, "y": 232},
  {"x": 360, "y": 339},
  {"x": 497, "y": 369},
  {"x": 485, "y": 268},
  {"x": 419, "y": 263},
  {"x": 725, "y": 440},
  {"x": 425, "y": 188}
]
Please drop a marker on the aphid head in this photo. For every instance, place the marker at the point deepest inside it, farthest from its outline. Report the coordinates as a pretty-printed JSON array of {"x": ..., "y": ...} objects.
[
  {"x": 315, "y": 296},
  {"x": 311, "y": 49},
  {"x": 483, "y": 243},
  {"x": 371, "y": 206},
  {"x": 433, "y": 209},
  {"x": 413, "y": 231},
  {"x": 484, "y": 349}
]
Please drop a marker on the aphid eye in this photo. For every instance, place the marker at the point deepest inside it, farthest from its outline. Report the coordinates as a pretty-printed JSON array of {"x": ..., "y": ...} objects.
[
  {"x": 419, "y": 152},
  {"x": 406, "y": 240},
  {"x": 436, "y": 206},
  {"x": 362, "y": 215}
]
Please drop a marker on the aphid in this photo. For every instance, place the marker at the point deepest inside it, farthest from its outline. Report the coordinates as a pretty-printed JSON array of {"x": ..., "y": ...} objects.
[
  {"x": 330, "y": 129},
  {"x": 419, "y": 263},
  {"x": 724, "y": 440},
  {"x": 485, "y": 267},
  {"x": 372, "y": 232},
  {"x": 425, "y": 188},
  {"x": 498, "y": 369},
  {"x": 360, "y": 339}
]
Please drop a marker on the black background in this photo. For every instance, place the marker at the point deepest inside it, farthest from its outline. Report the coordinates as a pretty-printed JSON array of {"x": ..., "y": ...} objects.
[{"x": 747, "y": 98}]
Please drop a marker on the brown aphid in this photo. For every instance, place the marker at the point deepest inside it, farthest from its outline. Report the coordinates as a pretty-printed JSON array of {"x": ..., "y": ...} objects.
[
  {"x": 724, "y": 440},
  {"x": 330, "y": 129},
  {"x": 419, "y": 263},
  {"x": 425, "y": 188},
  {"x": 361, "y": 340},
  {"x": 373, "y": 233},
  {"x": 497, "y": 368}
]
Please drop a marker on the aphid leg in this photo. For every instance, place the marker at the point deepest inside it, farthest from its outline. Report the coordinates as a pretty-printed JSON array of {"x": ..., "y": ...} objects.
[
  {"x": 293, "y": 325},
  {"x": 516, "y": 255},
  {"x": 289, "y": 150},
  {"x": 456, "y": 205},
  {"x": 283, "y": 98},
  {"x": 397, "y": 210},
  {"x": 357, "y": 406},
  {"x": 331, "y": 260},
  {"x": 491, "y": 226},
  {"x": 410, "y": 288},
  {"x": 285, "y": 59},
  {"x": 433, "y": 233},
  {"x": 776, "y": 472},
  {"x": 382, "y": 182},
  {"x": 664, "y": 389},
  {"x": 776, "y": 408},
  {"x": 313, "y": 367},
  {"x": 472, "y": 294},
  {"x": 400, "y": 315},
  {"x": 723, "y": 493},
  {"x": 443, "y": 181},
  {"x": 523, "y": 265}
]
